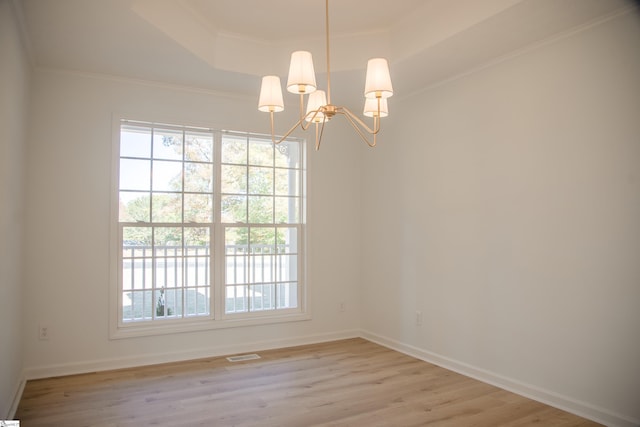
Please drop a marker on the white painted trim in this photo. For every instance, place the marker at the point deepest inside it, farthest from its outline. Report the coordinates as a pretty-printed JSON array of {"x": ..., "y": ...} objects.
[
  {"x": 118, "y": 78},
  {"x": 178, "y": 356},
  {"x": 16, "y": 398},
  {"x": 547, "y": 397},
  {"x": 217, "y": 319},
  {"x": 205, "y": 324}
]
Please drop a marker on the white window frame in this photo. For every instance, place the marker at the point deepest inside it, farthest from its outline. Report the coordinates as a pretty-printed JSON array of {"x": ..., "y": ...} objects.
[{"x": 217, "y": 317}]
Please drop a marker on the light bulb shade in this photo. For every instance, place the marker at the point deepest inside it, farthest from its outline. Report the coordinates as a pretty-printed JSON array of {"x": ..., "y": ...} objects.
[
  {"x": 371, "y": 107},
  {"x": 302, "y": 77},
  {"x": 271, "y": 95},
  {"x": 316, "y": 100},
  {"x": 378, "y": 81}
]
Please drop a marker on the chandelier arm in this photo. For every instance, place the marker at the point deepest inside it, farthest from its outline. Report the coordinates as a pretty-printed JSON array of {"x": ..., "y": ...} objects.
[
  {"x": 273, "y": 135},
  {"x": 360, "y": 131},
  {"x": 300, "y": 123},
  {"x": 376, "y": 121},
  {"x": 313, "y": 115},
  {"x": 319, "y": 138},
  {"x": 321, "y": 133}
]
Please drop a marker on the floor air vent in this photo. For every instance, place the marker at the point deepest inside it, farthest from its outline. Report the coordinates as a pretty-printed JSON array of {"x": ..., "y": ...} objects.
[{"x": 243, "y": 357}]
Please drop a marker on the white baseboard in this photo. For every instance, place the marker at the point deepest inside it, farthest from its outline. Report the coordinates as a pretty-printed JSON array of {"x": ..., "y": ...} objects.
[
  {"x": 547, "y": 397},
  {"x": 214, "y": 351},
  {"x": 19, "y": 388}
]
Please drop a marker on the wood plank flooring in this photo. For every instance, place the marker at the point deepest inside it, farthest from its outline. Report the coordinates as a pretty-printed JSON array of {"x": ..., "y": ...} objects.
[{"x": 343, "y": 383}]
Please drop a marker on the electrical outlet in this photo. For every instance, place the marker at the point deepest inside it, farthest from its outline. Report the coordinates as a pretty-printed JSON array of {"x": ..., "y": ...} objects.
[
  {"x": 341, "y": 307},
  {"x": 43, "y": 332},
  {"x": 418, "y": 318}
]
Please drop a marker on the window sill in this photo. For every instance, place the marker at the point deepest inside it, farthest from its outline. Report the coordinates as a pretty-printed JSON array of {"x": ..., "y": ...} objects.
[{"x": 139, "y": 329}]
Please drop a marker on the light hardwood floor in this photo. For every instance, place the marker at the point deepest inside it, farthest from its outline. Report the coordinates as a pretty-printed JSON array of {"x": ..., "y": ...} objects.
[{"x": 343, "y": 383}]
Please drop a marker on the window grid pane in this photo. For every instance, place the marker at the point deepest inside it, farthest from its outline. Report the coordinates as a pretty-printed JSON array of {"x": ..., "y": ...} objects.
[
  {"x": 166, "y": 190},
  {"x": 261, "y": 268},
  {"x": 261, "y": 187},
  {"x": 168, "y": 275}
]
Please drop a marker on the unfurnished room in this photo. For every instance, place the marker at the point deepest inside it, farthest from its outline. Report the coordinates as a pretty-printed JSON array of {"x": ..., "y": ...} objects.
[{"x": 319, "y": 213}]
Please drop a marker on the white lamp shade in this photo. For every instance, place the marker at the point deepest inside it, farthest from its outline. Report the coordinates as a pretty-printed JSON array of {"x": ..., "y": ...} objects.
[
  {"x": 378, "y": 82},
  {"x": 271, "y": 95},
  {"x": 316, "y": 100},
  {"x": 302, "y": 77},
  {"x": 371, "y": 107}
]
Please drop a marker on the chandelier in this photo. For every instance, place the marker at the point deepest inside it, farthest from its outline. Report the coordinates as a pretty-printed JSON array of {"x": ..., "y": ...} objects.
[{"x": 320, "y": 110}]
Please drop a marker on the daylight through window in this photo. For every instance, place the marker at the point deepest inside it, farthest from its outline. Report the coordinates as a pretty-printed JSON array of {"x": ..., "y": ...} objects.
[{"x": 210, "y": 225}]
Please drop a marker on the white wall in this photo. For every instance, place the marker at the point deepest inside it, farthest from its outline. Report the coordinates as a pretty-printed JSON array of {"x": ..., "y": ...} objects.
[
  {"x": 67, "y": 236},
  {"x": 505, "y": 206},
  {"x": 14, "y": 90}
]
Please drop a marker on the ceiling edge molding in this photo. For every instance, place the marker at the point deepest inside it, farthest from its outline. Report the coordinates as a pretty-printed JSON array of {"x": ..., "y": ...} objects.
[
  {"x": 146, "y": 82},
  {"x": 416, "y": 33},
  {"x": 219, "y": 48},
  {"x": 526, "y": 49},
  {"x": 179, "y": 24}
]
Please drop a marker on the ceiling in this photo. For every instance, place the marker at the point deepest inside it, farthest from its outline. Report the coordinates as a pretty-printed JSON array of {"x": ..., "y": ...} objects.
[{"x": 226, "y": 45}]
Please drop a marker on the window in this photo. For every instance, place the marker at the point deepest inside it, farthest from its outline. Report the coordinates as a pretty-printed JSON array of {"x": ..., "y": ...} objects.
[{"x": 209, "y": 228}]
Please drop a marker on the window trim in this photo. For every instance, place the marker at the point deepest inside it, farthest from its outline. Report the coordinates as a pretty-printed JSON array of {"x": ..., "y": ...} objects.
[{"x": 217, "y": 319}]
